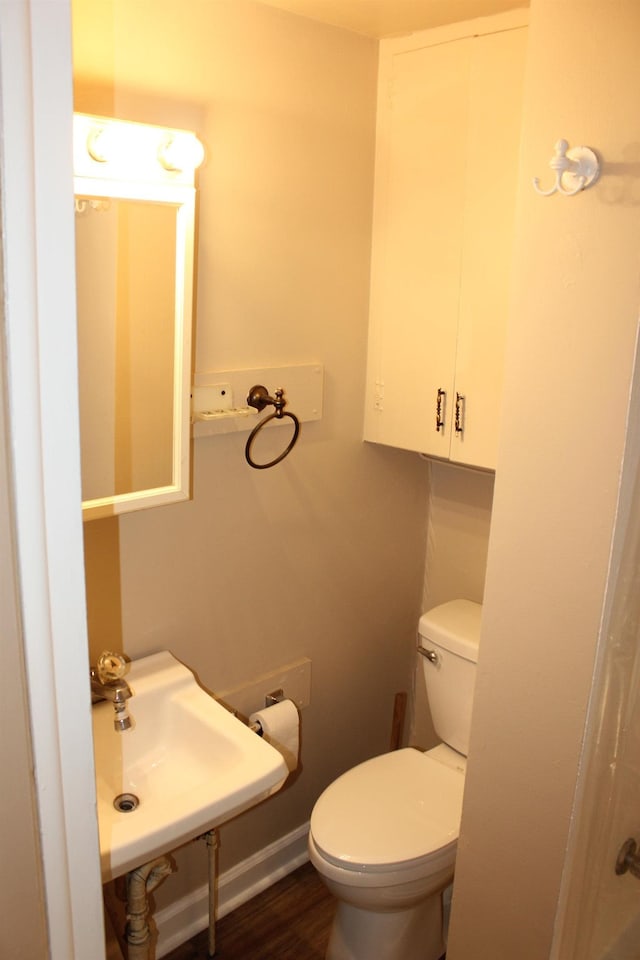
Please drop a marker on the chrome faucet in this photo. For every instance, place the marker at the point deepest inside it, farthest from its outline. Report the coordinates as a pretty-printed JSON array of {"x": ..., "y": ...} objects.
[{"x": 108, "y": 683}]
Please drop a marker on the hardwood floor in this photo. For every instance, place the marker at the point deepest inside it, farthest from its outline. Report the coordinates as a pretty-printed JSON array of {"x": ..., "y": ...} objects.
[{"x": 289, "y": 921}]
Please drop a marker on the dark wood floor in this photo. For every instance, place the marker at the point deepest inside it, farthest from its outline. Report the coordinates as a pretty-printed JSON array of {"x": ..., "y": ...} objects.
[{"x": 289, "y": 921}]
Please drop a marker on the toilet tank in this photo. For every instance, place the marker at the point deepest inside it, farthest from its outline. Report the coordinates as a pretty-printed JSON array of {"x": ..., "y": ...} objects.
[{"x": 448, "y": 641}]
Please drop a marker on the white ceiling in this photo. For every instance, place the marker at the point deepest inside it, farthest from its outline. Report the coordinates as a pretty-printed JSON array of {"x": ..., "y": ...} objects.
[{"x": 386, "y": 18}]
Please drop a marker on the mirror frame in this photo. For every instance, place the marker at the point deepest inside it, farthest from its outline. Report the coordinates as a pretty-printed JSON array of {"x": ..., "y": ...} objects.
[{"x": 147, "y": 179}]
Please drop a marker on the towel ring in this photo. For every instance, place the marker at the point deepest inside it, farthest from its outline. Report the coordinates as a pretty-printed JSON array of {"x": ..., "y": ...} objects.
[{"x": 259, "y": 398}]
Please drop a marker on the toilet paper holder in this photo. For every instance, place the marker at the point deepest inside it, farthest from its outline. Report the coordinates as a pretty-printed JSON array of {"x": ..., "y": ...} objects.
[{"x": 276, "y": 696}]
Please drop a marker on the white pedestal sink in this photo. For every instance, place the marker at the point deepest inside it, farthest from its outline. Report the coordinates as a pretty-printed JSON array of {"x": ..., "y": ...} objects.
[{"x": 190, "y": 763}]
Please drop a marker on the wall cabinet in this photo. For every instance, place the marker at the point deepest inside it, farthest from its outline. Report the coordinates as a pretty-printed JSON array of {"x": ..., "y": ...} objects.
[{"x": 449, "y": 112}]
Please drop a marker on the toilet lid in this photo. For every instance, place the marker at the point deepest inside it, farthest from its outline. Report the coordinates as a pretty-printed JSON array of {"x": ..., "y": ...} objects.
[{"x": 389, "y": 812}]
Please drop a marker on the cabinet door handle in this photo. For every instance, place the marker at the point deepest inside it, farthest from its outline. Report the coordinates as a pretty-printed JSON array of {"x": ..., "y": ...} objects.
[
  {"x": 440, "y": 397},
  {"x": 459, "y": 420}
]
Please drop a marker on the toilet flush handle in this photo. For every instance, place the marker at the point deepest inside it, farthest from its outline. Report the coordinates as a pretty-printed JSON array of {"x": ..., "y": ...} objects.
[{"x": 431, "y": 655}]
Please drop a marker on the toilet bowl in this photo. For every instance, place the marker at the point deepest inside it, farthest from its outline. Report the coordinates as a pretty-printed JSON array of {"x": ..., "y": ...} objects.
[
  {"x": 386, "y": 853},
  {"x": 383, "y": 836}
]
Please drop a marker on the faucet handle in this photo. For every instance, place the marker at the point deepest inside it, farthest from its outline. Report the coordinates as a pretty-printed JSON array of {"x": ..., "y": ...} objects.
[{"x": 110, "y": 666}]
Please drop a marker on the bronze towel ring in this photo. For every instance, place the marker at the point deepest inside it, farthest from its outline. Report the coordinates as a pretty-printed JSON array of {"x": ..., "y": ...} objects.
[{"x": 259, "y": 398}]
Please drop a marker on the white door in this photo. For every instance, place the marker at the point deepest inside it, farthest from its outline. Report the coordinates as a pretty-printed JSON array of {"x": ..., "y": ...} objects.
[{"x": 599, "y": 917}]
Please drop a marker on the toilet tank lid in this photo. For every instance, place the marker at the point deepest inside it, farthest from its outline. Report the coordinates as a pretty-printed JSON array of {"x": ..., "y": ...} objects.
[{"x": 455, "y": 626}]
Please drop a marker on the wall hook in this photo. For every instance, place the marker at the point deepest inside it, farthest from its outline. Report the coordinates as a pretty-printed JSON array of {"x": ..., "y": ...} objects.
[{"x": 575, "y": 170}]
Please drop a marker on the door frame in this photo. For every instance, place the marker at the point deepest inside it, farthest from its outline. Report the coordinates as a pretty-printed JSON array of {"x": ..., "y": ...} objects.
[{"x": 36, "y": 171}]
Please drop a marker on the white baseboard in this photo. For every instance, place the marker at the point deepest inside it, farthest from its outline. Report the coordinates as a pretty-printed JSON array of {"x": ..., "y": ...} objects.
[{"x": 189, "y": 915}]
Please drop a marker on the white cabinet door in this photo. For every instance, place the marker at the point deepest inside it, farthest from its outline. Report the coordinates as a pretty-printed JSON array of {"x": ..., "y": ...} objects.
[
  {"x": 448, "y": 134},
  {"x": 493, "y": 138},
  {"x": 417, "y": 247}
]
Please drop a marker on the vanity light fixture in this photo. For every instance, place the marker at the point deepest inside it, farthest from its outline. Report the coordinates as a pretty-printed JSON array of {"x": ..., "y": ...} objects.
[{"x": 134, "y": 151}]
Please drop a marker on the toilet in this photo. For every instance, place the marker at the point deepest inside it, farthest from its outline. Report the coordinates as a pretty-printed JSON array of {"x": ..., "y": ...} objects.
[{"x": 383, "y": 836}]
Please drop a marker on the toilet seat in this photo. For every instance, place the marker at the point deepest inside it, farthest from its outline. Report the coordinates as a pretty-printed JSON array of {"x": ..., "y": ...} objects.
[{"x": 397, "y": 811}]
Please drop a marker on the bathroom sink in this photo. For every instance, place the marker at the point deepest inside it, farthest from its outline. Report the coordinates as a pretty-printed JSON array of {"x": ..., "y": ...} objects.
[{"x": 187, "y": 761}]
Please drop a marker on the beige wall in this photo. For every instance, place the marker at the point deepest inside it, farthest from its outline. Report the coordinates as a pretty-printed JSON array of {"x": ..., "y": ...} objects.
[
  {"x": 459, "y": 519},
  {"x": 460, "y": 503},
  {"x": 323, "y": 555},
  {"x": 569, "y": 365}
]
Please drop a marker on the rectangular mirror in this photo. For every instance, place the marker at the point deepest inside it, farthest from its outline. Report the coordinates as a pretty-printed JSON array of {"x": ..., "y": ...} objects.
[{"x": 134, "y": 205}]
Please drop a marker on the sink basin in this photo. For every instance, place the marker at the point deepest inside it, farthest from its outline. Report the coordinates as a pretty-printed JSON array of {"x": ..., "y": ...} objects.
[{"x": 189, "y": 762}]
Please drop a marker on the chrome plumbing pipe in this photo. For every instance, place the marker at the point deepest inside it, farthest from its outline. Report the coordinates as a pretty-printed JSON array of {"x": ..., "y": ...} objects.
[{"x": 141, "y": 882}]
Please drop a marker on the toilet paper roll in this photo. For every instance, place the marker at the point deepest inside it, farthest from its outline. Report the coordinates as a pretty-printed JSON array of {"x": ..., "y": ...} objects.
[{"x": 281, "y": 728}]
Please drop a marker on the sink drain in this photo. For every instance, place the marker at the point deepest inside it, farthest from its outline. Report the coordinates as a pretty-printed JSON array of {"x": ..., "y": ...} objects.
[{"x": 126, "y": 802}]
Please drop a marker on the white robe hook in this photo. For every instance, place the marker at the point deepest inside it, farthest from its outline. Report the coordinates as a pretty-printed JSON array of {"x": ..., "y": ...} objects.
[{"x": 575, "y": 170}]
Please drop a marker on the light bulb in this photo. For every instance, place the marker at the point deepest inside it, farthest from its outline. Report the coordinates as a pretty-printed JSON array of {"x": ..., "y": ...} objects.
[
  {"x": 181, "y": 152},
  {"x": 102, "y": 143}
]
